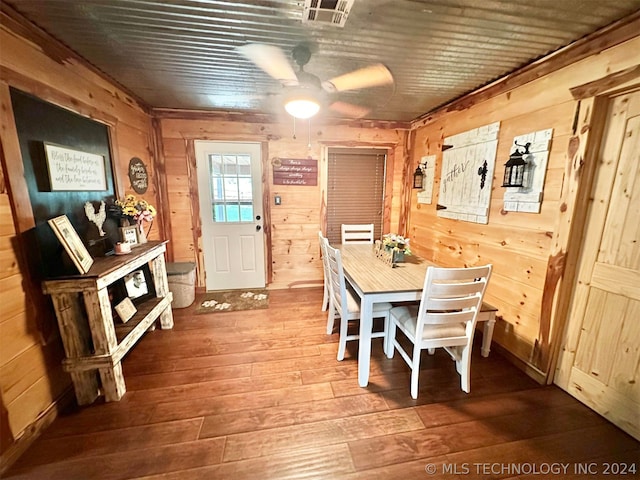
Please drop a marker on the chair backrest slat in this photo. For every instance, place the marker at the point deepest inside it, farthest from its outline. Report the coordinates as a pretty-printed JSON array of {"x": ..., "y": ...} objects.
[
  {"x": 453, "y": 296},
  {"x": 323, "y": 242},
  {"x": 337, "y": 280},
  {"x": 461, "y": 316},
  {"x": 356, "y": 233},
  {"x": 443, "y": 290},
  {"x": 455, "y": 303}
]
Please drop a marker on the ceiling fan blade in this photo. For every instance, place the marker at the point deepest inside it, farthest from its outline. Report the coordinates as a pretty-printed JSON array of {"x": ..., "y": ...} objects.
[
  {"x": 371, "y": 76},
  {"x": 271, "y": 60},
  {"x": 349, "y": 109}
]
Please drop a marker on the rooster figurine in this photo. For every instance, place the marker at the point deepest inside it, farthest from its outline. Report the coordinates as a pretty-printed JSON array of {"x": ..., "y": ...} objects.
[{"x": 97, "y": 218}]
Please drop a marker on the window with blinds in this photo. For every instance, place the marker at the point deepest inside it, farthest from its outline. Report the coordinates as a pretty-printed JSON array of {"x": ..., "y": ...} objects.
[{"x": 355, "y": 189}]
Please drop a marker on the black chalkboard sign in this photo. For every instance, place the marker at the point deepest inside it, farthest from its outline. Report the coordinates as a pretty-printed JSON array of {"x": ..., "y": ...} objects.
[{"x": 39, "y": 123}]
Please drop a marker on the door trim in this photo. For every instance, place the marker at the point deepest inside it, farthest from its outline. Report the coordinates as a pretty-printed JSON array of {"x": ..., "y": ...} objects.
[
  {"x": 559, "y": 372},
  {"x": 195, "y": 204},
  {"x": 589, "y": 124},
  {"x": 594, "y": 365}
]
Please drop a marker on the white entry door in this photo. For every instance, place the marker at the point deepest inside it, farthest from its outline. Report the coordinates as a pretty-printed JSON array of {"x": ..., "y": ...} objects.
[
  {"x": 600, "y": 362},
  {"x": 230, "y": 191}
]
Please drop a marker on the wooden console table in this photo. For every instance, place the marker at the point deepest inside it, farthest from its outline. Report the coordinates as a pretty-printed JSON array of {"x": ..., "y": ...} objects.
[{"x": 93, "y": 346}]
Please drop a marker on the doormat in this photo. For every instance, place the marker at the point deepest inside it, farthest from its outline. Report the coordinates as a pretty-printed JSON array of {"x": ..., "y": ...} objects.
[{"x": 233, "y": 300}]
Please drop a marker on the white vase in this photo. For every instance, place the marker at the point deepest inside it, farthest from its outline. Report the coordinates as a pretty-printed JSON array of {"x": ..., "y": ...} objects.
[{"x": 142, "y": 236}]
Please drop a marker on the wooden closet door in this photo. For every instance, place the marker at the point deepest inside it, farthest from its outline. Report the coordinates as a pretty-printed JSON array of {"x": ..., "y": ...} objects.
[{"x": 601, "y": 359}]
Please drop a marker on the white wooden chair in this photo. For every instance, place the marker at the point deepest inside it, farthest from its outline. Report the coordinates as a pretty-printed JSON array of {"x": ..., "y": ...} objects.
[
  {"x": 360, "y": 233},
  {"x": 346, "y": 306},
  {"x": 325, "y": 294},
  {"x": 446, "y": 317}
]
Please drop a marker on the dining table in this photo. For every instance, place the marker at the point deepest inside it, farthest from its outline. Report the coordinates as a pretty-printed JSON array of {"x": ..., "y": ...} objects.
[{"x": 376, "y": 281}]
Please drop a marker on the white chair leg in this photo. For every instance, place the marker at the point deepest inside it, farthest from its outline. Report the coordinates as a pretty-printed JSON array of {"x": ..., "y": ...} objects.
[
  {"x": 463, "y": 366},
  {"x": 415, "y": 372},
  {"x": 390, "y": 338},
  {"x": 431, "y": 351},
  {"x": 331, "y": 316},
  {"x": 342, "y": 343},
  {"x": 325, "y": 298},
  {"x": 385, "y": 339}
]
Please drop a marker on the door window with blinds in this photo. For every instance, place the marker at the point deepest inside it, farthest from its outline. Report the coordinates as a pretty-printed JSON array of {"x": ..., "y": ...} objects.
[{"x": 355, "y": 189}]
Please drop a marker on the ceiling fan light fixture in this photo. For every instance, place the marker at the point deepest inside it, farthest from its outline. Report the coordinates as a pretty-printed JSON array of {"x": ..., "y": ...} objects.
[{"x": 302, "y": 107}]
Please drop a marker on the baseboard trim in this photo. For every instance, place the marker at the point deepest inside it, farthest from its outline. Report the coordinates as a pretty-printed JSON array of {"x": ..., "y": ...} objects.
[
  {"x": 520, "y": 364},
  {"x": 33, "y": 431}
]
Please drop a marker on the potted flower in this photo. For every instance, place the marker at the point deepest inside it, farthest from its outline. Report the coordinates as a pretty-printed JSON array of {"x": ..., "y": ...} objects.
[
  {"x": 137, "y": 211},
  {"x": 397, "y": 244}
]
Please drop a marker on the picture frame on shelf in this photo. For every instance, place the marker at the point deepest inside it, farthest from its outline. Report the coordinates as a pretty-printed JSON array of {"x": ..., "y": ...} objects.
[
  {"x": 129, "y": 235},
  {"x": 136, "y": 284},
  {"x": 117, "y": 293},
  {"x": 125, "y": 310},
  {"x": 72, "y": 243},
  {"x": 139, "y": 285}
]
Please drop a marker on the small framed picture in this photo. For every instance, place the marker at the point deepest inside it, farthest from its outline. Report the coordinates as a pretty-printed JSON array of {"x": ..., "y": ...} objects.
[
  {"x": 125, "y": 310},
  {"x": 129, "y": 234},
  {"x": 136, "y": 284},
  {"x": 72, "y": 243}
]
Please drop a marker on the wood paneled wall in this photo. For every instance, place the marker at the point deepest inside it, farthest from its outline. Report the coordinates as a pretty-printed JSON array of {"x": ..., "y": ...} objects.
[
  {"x": 31, "y": 377},
  {"x": 527, "y": 250},
  {"x": 294, "y": 225},
  {"x": 524, "y": 248}
]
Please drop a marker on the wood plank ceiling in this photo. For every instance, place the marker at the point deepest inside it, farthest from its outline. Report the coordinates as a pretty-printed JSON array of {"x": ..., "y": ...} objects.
[{"x": 181, "y": 54}]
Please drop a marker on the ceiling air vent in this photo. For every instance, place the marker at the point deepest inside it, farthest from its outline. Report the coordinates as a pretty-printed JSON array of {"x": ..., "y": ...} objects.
[{"x": 334, "y": 12}]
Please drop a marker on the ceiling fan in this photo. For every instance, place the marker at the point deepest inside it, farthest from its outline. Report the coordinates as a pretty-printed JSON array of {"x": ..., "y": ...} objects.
[{"x": 304, "y": 92}]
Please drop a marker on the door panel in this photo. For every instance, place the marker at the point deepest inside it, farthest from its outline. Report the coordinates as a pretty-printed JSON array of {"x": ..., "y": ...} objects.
[
  {"x": 626, "y": 356},
  {"x": 619, "y": 240},
  {"x": 221, "y": 255},
  {"x": 248, "y": 259},
  {"x": 230, "y": 194},
  {"x": 602, "y": 347}
]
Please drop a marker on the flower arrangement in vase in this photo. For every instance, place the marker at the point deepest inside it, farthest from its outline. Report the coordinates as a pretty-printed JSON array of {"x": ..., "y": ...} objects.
[
  {"x": 138, "y": 211},
  {"x": 397, "y": 244}
]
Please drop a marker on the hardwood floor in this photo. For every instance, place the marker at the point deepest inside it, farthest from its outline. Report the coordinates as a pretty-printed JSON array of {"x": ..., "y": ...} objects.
[{"x": 260, "y": 395}]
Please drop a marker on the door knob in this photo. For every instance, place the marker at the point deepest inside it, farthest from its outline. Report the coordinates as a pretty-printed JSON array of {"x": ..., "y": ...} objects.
[{"x": 258, "y": 228}]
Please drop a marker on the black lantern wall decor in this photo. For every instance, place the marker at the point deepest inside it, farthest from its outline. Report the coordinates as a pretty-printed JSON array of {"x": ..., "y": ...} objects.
[
  {"x": 514, "y": 169},
  {"x": 418, "y": 176}
]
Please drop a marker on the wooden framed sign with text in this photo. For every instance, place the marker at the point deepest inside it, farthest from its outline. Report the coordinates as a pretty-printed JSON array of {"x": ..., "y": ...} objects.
[
  {"x": 129, "y": 234},
  {"x": 295, "y": 171},
  {"x": 73, "y": 170},
  {"x": 125, "y": 310}
]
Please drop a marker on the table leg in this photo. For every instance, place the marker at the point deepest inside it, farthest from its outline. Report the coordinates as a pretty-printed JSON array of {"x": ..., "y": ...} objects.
[
  {"x": 487, "y": 335},
  {"x": 85, "y": 385},
  {"x": 98, "y": 308},
  {"x": 364, "y": 344},
  {"x": 112, "y": 383},
  {"x": 159, "y": 274},
  {"x": 76, "y": 339}
]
